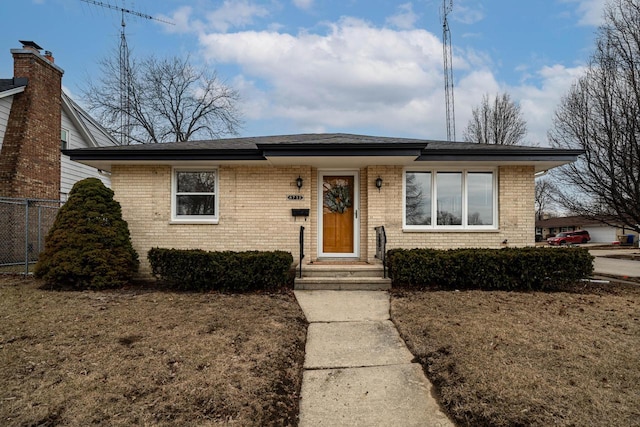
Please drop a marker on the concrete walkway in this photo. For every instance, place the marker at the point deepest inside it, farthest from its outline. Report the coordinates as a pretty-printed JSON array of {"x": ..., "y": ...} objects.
[{"x": 358, "y": 371}]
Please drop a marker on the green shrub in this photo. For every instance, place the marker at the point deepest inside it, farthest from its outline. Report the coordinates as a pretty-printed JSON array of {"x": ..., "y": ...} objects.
[
  {"x": 507, "y": 269},
  {"x": 88, "y": 246},
  {"x": 198, "y": 270}
]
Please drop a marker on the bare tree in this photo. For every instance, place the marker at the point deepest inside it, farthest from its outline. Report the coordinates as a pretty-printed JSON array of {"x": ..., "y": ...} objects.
[
  {"x": 498, "y": 121},
  {"x": 168, "y": 100},
  {"x": 601, "y": 115},
  {"x": 545, "y": 194}
]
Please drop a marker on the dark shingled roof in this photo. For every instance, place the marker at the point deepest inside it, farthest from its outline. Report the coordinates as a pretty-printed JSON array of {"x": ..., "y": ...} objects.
[
  {"x": 14, "y": 83},
  {"x": 330, "y": 144},
  {"x": 574, "y": 221}
]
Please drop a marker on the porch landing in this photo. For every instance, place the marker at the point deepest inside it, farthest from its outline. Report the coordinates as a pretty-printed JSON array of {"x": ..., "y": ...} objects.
[{"x": 342, "y": 275}]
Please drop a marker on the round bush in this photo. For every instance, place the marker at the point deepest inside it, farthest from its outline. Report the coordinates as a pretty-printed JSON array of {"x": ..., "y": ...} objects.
[{"x": 88, "y": 246}]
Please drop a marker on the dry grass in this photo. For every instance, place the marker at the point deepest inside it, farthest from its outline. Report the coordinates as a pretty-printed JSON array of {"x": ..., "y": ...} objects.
[
  {"x": 148, "y": 357},
  {"x": 529, "y": 359}
]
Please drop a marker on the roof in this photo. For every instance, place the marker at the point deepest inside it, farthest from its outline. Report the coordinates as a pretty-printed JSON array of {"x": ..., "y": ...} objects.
[
  {"x": 12, "y": 86},
  {"x": 86, "y": 124},
  {"x": 570, "y": 221},
  {"x": 336, "y": 149}
]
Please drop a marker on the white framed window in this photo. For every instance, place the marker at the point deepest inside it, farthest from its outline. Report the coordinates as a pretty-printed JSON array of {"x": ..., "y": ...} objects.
[
  {"x": 64, "y": 139},
  {"x": 194, "y": 195},
  {"x": 447, "y": 199}
]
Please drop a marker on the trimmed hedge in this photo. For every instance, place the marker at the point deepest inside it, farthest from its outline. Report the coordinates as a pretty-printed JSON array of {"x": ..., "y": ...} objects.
[
  {"x": 490, "y": 269},
  {"x": 198, "y": 270}
]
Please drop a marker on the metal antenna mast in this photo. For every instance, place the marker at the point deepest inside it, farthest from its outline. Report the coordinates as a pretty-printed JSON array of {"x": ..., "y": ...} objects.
[
  {"x": 447, "y": 6},
  {"x": 124, "y": 69}
]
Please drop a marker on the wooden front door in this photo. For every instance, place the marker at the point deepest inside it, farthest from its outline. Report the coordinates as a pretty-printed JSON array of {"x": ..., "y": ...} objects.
[{"x": 339, "y": 208}]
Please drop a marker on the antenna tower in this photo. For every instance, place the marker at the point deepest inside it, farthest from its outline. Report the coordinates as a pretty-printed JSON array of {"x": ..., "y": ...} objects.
[
  {"x": 447, "y": 6},
  {"x": 124, "y": 68}
]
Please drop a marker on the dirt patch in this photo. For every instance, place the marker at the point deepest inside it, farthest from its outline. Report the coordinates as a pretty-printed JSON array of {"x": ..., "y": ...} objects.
[
  {"x": 145, "y": 356},
  {"x": 534, "y": 359}
]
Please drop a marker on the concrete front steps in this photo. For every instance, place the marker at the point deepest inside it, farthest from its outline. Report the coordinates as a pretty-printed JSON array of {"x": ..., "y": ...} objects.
[{"x": 342, "y": 276}]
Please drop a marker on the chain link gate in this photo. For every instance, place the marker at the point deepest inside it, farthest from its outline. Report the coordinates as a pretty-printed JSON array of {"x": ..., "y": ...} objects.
[{"x": 24, "y": 223}]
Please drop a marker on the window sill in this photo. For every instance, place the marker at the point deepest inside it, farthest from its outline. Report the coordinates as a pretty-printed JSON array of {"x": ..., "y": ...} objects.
[
  {"x": 193, "y": 221},
  {"x": 451, "y": 230}
]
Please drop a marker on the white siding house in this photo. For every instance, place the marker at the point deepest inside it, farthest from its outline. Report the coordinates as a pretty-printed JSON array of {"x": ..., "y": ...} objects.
[
  {"x": 6, "y": 99},
  {"x": 81, "y": 131}
]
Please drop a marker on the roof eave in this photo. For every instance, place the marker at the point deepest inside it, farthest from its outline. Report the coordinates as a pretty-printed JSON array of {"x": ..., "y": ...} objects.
[
  {"x": 341, "y": 150},
  {"x": 162, "y": 155},
  {"x": 13, "y": 91}
]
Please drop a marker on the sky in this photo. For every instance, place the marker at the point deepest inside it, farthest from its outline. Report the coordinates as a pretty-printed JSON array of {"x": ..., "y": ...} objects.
[{"x": 372, "y": 67}]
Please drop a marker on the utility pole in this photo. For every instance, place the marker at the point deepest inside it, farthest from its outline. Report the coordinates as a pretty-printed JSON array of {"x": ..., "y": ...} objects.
[
  {"x": 447, "y": 6},
  {"x": 124, "y": 68}
]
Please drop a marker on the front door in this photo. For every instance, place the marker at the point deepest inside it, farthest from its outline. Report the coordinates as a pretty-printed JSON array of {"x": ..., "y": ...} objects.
[{"x": 339, "y": 214}]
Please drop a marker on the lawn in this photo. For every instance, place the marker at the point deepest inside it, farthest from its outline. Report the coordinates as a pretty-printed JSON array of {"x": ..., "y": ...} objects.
[
  {"x": 528, "y": 359},
  {"x": 148, "y": 356}
]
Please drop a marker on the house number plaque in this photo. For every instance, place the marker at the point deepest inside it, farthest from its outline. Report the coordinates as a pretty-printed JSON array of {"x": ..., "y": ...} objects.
[{"x": 295, "y": 197}]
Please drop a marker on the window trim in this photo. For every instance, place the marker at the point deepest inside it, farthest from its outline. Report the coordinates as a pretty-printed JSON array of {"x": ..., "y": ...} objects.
[
  {"x": 64, "y": 142},
  {"x": 194, "y": 219},
  {"x": 465, "y": 200}
]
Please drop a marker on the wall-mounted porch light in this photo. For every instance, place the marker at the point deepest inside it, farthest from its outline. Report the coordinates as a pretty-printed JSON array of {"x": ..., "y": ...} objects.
[
  {"x": 379, "y": 183},
  {"x": 299, "y": 182}
]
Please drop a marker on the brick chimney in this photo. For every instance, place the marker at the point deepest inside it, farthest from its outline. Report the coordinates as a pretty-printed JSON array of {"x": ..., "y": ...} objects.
[{"x": 30, "y": 156}]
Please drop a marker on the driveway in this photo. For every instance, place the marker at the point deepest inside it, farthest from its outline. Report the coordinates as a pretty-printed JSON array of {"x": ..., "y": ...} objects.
[{"x": 615, "y": 267}]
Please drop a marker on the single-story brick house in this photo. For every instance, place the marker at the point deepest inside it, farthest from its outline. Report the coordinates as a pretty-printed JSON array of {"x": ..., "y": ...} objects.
[
  {"x": 598, "y": 230},
  {"x": 256, "y": 193}
]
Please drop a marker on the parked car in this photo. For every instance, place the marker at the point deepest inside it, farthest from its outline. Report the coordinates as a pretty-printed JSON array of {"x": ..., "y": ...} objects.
[{"x": 570, "y": 237}]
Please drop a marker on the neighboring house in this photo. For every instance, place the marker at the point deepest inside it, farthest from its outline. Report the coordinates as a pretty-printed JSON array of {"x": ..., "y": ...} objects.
[
  {"x": 37, "y": 120},
  {"x": 599, "y": 232},
  {"x": 256, "y": 193}
]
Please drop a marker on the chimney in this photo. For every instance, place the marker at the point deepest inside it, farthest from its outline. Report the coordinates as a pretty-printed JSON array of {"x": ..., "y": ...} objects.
[
  {"x": 48, "y": 56},
  {"x": 30, "y": 156}
]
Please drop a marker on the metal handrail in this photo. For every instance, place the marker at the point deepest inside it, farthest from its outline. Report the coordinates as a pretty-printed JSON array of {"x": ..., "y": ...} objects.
[
  {"x": 301, "y": 249},
  {"x": 381, "y": 248}
]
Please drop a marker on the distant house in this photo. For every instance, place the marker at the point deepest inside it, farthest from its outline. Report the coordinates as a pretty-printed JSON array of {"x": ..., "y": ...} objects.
[
  {"x": 599, "y": 232},
  {"x": 257, "y": 193},
  {"x": 37, "y": 121}
]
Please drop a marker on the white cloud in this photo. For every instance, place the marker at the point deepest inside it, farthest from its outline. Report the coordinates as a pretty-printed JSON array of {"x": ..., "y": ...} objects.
[
  {"x": 590, "y": 11},
  {"x": 235, "y": 14},
  {"x": 405, "y": 18},
  {"x": 540, "y": 100},
  {"x": 181, "y": 19},
  {"x": 303, "y": 4},
  {"x": 354, "y": 75},
  {"x": 467, "y": 14}
]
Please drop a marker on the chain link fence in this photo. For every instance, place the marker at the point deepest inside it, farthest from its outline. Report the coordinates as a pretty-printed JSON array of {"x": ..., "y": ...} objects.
[{"x": 24, "y": 223}]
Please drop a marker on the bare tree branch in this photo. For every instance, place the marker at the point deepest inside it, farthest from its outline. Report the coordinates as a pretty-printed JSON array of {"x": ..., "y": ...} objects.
[
  {"x": 545, "y": 195},
  {"x": 170, "y": 100},
  {"x": 601, "y": 114},
  {"x": 496, "y": 122}
]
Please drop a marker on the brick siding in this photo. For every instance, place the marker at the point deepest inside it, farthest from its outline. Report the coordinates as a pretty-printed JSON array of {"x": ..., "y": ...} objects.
[
  {"x": 30, "y": 156},
  {"x": 256, "y": 214}
]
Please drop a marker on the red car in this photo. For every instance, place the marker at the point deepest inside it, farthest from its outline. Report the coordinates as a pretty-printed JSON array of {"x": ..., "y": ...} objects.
[{"x": 570, "y": 237}]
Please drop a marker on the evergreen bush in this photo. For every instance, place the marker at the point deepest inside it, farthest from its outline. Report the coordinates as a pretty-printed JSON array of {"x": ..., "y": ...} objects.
[
  {"x": 506, "y": 269},
  {"x": 198, "y": 270},
  {"x": 88, "y": 246}
]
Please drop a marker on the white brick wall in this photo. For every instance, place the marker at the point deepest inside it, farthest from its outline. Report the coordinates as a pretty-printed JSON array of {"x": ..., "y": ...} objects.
[{"x": 256, "y": 215}]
